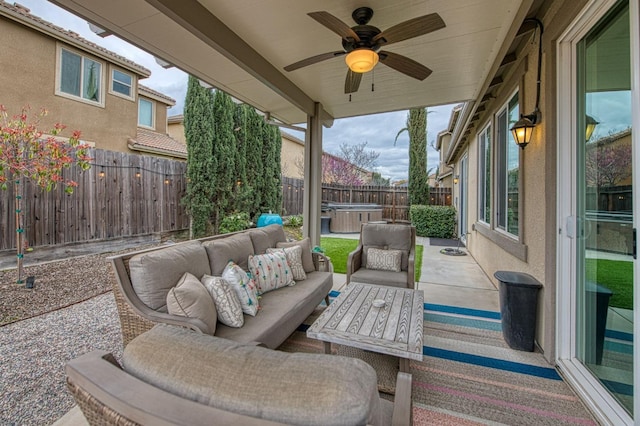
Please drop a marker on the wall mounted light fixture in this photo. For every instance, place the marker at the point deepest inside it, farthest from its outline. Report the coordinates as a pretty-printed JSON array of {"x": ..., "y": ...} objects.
[
  {"x": 591, "y": 124},
  {"x": 456, "y": 179},
  {"x": 523, "y": 128}
]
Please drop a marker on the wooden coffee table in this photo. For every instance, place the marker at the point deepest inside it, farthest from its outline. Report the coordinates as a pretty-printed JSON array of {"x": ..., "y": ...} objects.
[{"x": 393, "y": 329}]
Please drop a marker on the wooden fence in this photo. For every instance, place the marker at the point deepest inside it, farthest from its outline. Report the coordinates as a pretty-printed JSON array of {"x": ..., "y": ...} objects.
[
  {"x": 121, "y": 195},
  {"x": 393, "y": 200},
  {"x": 125, "y": 195}
]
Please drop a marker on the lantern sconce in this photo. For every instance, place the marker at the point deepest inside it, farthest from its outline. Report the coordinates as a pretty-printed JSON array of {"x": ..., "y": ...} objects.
[
  {"x": 590, "y": 124},
  {"x": 523, "y": 128},
  {"x": 456, "y": 179}
]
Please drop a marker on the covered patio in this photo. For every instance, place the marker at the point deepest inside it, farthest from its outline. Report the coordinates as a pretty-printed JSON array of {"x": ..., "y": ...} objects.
[{"x": 244, "y": 49}]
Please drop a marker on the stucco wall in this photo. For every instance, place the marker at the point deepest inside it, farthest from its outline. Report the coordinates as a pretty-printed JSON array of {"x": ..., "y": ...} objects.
[
  {"x": 537, "y": 174},
  {"x": 28, "y": 64},
  {"x": 176, "y": 131},
  {"x": 292, "y": 152}
]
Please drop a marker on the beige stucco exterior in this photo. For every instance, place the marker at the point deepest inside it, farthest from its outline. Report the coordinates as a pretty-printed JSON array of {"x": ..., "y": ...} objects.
[
  {"x": 30, "y": 66},
  {"x": 175, "y": 128},
  {"x": 292, "y": 156},
  {"x": 534, "y": 250}
]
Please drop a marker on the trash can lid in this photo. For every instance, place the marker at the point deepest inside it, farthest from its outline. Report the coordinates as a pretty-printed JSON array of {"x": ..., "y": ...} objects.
[{"x": 517, "y": 278}]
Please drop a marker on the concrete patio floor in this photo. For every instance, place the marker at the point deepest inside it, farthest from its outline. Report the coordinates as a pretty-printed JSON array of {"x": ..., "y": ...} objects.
[{"x": 446, "y": 280}]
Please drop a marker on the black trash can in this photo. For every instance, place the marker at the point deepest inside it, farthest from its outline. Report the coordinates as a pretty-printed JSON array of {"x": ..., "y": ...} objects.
[
  {"x": 600, "y": 295},
  {"x": 325, "y": 221},
  {"x": 518, "y": 308}
]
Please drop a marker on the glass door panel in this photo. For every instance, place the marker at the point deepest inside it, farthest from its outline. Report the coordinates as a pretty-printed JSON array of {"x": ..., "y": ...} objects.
[{"x": 604, "y": 262}]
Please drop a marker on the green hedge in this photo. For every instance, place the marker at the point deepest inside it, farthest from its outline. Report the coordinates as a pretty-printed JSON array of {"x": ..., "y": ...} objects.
[{"x": 433, "y": 221}]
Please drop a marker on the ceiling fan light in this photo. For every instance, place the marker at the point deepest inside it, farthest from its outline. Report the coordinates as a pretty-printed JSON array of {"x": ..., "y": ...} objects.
[{"x": 361, "y": 60}]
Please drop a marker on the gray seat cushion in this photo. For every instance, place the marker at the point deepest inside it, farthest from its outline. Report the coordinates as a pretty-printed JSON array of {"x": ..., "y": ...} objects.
[
  {"x": 281, "y": 311},
  {"x": 154, "y": 273},
  {"x": 373, "y": 276},
  {"x": 293, "y": 388}
]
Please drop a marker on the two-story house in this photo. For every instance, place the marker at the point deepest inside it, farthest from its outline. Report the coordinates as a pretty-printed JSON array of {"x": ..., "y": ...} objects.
[{"x": 82, "y": 85}]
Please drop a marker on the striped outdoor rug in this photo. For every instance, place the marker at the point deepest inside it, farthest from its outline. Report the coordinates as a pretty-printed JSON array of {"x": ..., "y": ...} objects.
[{"x": 469, "y": 376}]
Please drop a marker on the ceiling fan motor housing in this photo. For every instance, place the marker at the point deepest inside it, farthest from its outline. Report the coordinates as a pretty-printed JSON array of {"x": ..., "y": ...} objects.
[{"x": 366, "y": 34}]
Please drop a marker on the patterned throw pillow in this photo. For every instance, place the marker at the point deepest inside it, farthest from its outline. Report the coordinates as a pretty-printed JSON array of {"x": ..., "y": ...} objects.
[
  {"x": 190, "y": 299},
  {"x": 245, "y": 288},
  {"x": 384, "y": 260},
  {"x": 226, "y": 300},
  {"x": 270, "y": 270},
  {"x": 294, "y": 260}
]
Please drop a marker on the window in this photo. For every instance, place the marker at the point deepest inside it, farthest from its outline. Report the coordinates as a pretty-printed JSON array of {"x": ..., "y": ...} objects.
[
  {"x": 121, "y": 83},
  {"x": 484, "y": 175},
  {"x": 507, "y": 169},
  {"x": 145, "y": 113},
  {"x": 80, "y": 76}
]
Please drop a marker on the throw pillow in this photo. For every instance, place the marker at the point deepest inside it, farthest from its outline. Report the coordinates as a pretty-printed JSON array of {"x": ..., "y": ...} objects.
[
  {"x": 307, "y": 257},
  {"x": 384, "y": 260},
  {"x": 190, "y": 299},
  {"x": 245, "y": 288},
  {"x": 270, "y": 270},
  {"x": 226, "y": 300},
  {"x": 294, "y": 260}
]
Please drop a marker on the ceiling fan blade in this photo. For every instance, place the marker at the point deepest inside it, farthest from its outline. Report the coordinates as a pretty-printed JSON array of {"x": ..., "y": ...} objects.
[
  {"x": 404, "y": 65},
  {"x": 352, "y": 82},
  {"x": 335, "y": 25},
  {"x": 408, "y": 29},
  {"x": 314, "y": 60}
]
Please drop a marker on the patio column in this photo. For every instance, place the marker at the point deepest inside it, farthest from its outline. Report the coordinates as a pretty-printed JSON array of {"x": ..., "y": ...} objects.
[{"x": 313, "y": 176}]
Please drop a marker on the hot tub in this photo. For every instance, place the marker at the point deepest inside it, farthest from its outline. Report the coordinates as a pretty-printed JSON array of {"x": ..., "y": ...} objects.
[{"x": 347, "y": 218}]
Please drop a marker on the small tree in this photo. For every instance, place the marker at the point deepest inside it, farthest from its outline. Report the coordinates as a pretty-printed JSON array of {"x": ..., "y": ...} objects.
[
  {"x": 418, "y": 176},
  {"x": 29, "y": 153},
  {"x": 198, "y": 130}
]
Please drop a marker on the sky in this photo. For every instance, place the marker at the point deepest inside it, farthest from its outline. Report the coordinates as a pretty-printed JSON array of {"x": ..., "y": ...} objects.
[{"x": 378, "y": 131}]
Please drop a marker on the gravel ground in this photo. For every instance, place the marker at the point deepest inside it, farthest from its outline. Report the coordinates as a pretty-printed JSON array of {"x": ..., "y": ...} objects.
[{"x": 70, "y": 311}]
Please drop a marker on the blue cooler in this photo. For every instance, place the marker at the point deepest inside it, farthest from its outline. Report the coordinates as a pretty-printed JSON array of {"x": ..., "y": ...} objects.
[{"x": 269, "y": 219}]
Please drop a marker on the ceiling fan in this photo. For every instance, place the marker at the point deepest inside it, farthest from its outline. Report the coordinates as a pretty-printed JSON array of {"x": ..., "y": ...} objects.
[{"x": 362, "y": 44}]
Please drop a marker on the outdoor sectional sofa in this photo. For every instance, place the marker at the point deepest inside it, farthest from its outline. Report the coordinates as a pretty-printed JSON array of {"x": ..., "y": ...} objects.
[
  {"x": 144, "y": 278},
  {"x": 175, "y": 376}
]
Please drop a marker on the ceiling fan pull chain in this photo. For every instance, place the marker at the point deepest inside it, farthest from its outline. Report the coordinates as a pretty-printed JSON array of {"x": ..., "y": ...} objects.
[{"x": 373, "y": 80}]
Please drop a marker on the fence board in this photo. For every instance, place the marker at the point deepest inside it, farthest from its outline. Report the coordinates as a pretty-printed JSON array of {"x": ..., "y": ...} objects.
[{"x": 117, "y": 204}]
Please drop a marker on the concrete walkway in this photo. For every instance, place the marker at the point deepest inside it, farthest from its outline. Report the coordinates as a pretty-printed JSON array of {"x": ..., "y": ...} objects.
[{"x": 446, "y": 280}]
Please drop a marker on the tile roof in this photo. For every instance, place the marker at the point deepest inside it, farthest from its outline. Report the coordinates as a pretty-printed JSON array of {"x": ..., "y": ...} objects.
[
  {"x": 144, "y": 90},
  {"x": 159, "y": 143},
  {"x": 22, "y": 14}
]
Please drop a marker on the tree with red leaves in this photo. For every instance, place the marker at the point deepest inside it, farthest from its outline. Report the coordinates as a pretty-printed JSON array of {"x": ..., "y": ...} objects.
[{"x": 29, "y": 153}]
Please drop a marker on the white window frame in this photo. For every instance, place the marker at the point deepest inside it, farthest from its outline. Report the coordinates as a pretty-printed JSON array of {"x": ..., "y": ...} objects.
[
  {"x": 485, "y": 143},
  {"x": 153, "y": 113},
  {"x": 502, "y": 168},
  {"x": 598, "y": 400},
  {"x": 83, "y": 56},
  {"x": 112, "y": 79}
]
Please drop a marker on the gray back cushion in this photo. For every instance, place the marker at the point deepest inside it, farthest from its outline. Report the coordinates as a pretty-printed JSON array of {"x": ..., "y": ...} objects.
[
  {"x": 386, "y": 237},
  {"x": 267, "y": 237},
  {"x": 292, "y": 388},
  {"x": 154, "y": 273},
  {"x": 236, "y": 248}
]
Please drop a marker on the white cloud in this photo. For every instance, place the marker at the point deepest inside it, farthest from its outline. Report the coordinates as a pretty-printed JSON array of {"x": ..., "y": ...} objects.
[{"x": 379, "y": 131}]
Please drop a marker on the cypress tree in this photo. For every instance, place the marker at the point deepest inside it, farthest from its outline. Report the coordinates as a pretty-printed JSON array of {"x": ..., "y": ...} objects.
[
  {"x": 255, "y": 175},
  {"x": 224, "y": 153},
  {"x": 198, "y": 129},
  {"x": 272, "y": 190},
  {"x": 242, "y": 189},
  {"x": 418, "y": 175}
]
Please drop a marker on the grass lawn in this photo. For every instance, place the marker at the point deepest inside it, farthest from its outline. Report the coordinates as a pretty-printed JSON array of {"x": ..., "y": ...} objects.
[
  {"x": 338, "y": 250},
  {"x": 617, "y": 276}
]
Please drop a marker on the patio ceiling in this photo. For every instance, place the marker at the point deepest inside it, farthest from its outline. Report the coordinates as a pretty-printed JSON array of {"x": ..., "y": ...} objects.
[{"x": 241, "y": 47}]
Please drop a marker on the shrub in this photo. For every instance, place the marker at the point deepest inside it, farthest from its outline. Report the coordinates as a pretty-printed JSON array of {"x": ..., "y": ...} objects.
[
  {"x": 433, "y": 221},
  {"x": 295, "y": 221},
  {"x": 235, "y": 222}
]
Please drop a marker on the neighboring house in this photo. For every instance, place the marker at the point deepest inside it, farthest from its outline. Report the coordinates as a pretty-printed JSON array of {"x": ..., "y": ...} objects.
[{"x": 81, "y": 84}]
